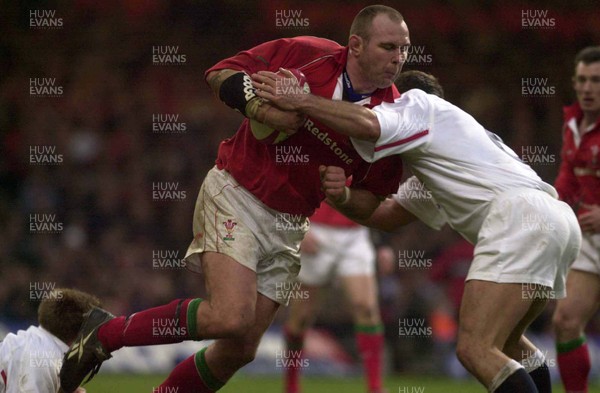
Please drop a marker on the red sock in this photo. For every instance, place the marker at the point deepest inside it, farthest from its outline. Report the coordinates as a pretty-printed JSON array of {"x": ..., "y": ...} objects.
[
  {"x": 574, "y": 365},
  {"x": 293, "y": 342},
  {"x": 190, "y": 376},
  {"x": 369, "y": 340},
  {"x": 159, "y": 325}
]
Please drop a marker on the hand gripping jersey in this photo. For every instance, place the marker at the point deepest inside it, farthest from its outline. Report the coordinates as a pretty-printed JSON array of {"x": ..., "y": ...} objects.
[
  {"x": 578, "y": 179},
  {"x": 285, "y": 176}
]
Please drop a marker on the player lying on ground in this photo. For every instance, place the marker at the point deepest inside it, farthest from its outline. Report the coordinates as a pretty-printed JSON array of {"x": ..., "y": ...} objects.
[
  {"x": 578, "y": 184},
  {"x": 255, "y": 189},
  {"x": 524, "y": 237},
  {"x": 30, "y": 360}
]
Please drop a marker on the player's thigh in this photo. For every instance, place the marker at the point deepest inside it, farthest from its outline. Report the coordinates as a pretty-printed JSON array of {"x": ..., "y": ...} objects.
[
  {"x": 583, "y": 296},
  {"x": 490, "y": 312},
  {"x": 230, "y": 285}
]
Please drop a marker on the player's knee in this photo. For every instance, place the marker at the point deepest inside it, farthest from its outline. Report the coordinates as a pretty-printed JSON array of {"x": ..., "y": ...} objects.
[
  {"x": 365, "y": 312},
  {"x": 566, "y": 324},
  {"x": 468, "y": 351},
  {"x": 236, "y": 325}
]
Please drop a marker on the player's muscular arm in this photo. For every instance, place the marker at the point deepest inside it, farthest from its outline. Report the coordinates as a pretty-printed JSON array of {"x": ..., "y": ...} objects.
[
  {"x": 348, "y": 119},
  {"x": 255, "y": 108}
]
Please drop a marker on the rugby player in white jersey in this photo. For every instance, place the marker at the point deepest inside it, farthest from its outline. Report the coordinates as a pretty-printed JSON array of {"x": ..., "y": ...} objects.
[
  {"x": 30, "y": 360},
  {"x": 525, "y": 238}
]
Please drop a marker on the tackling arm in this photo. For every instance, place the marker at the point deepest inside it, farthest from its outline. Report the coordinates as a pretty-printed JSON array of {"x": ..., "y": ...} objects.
[
  {"x": 362, "y": 206},
  {"x": 348, "y": 119}
]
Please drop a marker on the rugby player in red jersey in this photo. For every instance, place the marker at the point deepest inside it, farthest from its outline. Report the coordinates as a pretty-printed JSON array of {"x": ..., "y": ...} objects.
[
  {"x": 250, "y": 194},
  {"x": 578, "y": 184}
]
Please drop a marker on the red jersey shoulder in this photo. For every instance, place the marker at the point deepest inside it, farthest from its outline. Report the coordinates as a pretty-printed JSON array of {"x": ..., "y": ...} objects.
[{"x": 296, "y": 52}]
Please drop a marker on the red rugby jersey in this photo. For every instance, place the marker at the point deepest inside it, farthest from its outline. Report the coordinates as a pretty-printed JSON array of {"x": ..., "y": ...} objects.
[
  {"x": 265, "y": 169},
  {"x": 579, "y": 175},
  {"x": 327, "y": 215}
]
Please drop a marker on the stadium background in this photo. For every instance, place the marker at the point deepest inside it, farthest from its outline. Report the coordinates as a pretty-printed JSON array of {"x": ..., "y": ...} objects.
[{"x": 106, "y": 227}]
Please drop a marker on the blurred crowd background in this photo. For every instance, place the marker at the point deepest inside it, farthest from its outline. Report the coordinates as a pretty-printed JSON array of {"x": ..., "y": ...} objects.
[{"x": 102, "y": 127}]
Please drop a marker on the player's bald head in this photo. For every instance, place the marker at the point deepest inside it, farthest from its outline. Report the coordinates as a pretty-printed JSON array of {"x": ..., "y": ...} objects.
[{"x": 362, "y": 23}]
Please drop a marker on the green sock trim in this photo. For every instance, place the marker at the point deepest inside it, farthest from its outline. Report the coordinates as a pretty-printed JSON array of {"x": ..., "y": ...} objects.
[
  {"x": 369, "y": 329},
  {"x": 192, "y": 312},
  {"x": 570, "y": 345},
  {"x": 207, "y": 376}
]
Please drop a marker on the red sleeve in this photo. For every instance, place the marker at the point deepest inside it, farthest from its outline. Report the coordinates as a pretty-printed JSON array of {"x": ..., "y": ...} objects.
[
  {"x": 566, "y": 183},
  {"x": 284, "y": 52},
  {"x": 381, "y": 177}
]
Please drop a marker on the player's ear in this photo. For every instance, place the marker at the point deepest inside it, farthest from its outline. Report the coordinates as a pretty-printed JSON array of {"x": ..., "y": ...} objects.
[{"x": 356, "y": 44}]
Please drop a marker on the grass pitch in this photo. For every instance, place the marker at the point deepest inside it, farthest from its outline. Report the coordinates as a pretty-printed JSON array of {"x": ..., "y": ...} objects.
[{"x": 111, "y": 383}]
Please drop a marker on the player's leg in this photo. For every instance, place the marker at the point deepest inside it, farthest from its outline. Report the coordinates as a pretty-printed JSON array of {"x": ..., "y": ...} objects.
[
  {"x": 570, "y": 318},
  {"x": 356, "y": 268},
  {"x": 519, "y": 348},
  {"x": 361, "y": 291},
  {"x": 208, "y": 370},
  {"x": 317, "y": 260},
  {"x": 490, "y": 313},
  {"x": 302, "y": 315}
]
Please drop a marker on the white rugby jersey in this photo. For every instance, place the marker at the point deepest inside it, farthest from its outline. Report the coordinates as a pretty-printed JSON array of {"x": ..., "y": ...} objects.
[
  {"x": 31, "y": 360},
  {"x": 464, "y": 166}
]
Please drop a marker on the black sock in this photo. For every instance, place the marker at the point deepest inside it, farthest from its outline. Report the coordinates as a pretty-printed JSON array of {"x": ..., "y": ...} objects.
[
  {"x": 541, "y": 378},
  {"x": 517, "y": 382}
]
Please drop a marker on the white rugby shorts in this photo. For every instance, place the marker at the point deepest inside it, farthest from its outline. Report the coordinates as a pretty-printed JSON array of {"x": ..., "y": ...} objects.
[
  {"x": 229, "y": 220},
  {"x": 527, "y": 237},
  {"x": 342, "y": 252}
]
